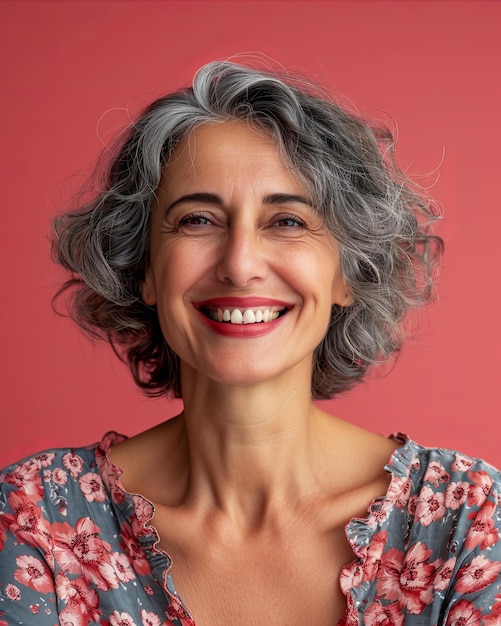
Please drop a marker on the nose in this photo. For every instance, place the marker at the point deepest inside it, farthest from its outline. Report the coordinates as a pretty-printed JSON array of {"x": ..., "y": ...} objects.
[{"x": 242, "y": 257}]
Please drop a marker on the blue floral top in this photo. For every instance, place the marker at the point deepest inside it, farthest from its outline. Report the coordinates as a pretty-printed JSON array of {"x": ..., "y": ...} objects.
[{"x": 77, "y": 549}]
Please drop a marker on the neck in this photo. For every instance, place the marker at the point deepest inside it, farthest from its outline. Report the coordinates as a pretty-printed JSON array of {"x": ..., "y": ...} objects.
[{"x": 250, "y": 446}]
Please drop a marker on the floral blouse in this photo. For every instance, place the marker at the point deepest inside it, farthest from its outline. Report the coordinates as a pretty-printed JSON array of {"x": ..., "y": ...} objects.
[{"x": 76, "y": 549}]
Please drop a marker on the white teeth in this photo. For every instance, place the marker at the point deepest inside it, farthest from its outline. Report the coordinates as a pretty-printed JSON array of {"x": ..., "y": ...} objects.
[
  {"x": 249, "y": 317},
  {"x": 236, "y": 317},
  {"x": 243, "y": 316}
]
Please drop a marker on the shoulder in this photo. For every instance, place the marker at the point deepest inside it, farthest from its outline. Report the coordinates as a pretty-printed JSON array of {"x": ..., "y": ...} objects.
[
  {"x": 432, "y": 545},
  {"x": 52, "y": 478},
  {"x": 444, "y": 470},
  {"x": 436, "y": 497}
]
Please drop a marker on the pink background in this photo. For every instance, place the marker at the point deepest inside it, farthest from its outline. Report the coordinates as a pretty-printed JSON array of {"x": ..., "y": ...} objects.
[{"x": 70, "y": 70}]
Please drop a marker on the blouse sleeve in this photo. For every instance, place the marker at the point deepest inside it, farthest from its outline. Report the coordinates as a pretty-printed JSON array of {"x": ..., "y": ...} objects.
[
  {"x": 475, "y": 584},
  {"x": 27, "y": 585}
]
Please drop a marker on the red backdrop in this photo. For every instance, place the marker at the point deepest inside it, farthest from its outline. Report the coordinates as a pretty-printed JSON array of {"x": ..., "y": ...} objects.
[{"x": 70, "y": 69}]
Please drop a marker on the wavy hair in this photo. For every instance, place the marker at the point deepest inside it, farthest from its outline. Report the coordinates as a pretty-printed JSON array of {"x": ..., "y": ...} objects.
[{"x": 378, "y": 217}]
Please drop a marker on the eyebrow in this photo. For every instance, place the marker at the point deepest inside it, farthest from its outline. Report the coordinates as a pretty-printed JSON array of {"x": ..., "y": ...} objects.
[{"x": 212, "y": 198}]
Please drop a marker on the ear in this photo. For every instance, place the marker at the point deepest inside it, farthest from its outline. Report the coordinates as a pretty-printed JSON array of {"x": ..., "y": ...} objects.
[
  {"x": 342, "y": 294},
  {"x": 148, "y": 291}
]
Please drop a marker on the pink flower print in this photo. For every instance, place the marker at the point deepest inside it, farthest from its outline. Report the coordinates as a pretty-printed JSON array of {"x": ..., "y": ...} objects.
[
  {"x": 374, "y": 552},
  {"x": 117, "y": 570},
  {"x": 444, "y": 575},
  {"x": 13, "y": 592},
  {"x": 407, "y": 577},
  {"x": 121, "y": 565},
  {"x": 413, "y": 502},
  {"x": 177, "y": 611},
  {"x": 121, "y": 619},
  {"x": 3, "y": 534},
  {"x": 350, "y": 617},
  {"x": 26, "y": 521},
  {"x": 139, "y": 527},
  {"x": 92, "y": 487},
  {"x": 389, "y": 573},
  {"x": 73, "y": 463},
  {"x": 27, "y": 478},
  {"x": 494, "y": 619},
  {"x": 82, "y": 602},
  {"x": 480, "y": 489},
  {"x": 483, "y": 532},
  {"x": 415, "y": 464},
  {"x": 436, "y": 474},
  {"x": 378, "y": 513},
  {"x": 105, "y": 467},
  {"x": 378, "y": 615},
  {"x": 134, "y": 551},
  {"x": 43, "y": 460},
  {"x": 59, "y": 476},
  {"x": 117, "y": 492},
  {"x": 34, "y": 574},
  {"x": 399, "y": 491},
  {"x": 456, "y": 494},
  {"x": 461, "y": 463},
  {"x": 478, "y": 574},
  {"x": 81, "y": 550},
  {"x": 351, "y": 577},
  {"x": 430, "y": 506},
  {"x": 143, "y": 510},
  {"x": 35, "y": 608},
  {"x": 496, "y": 609},
  {"x": 149, "y": 619},
  {"x": 464, "y": 613}
]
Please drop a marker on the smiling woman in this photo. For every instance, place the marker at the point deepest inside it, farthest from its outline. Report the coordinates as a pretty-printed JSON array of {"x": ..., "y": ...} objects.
[
  {"x": 225, "y": 240},
  {"x": 251, "y": 247}
]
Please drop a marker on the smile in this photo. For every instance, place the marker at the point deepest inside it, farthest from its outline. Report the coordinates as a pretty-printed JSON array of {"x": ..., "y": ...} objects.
[{"x": 243, "y": 316}]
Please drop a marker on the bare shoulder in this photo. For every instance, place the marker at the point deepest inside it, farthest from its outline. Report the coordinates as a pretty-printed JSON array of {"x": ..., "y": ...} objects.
[
  {"x": 150, "y": 460},
  {"x": 354, "y": 462}
]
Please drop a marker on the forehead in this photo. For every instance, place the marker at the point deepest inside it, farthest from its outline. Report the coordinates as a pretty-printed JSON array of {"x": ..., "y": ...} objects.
[{"x": 232, "y": 149}]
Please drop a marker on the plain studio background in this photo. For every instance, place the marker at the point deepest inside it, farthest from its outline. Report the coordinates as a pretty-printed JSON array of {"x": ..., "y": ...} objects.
[{"x": 73, "y": 70}]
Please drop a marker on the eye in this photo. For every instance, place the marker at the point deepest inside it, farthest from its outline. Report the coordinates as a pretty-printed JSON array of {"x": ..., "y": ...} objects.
[
  {"x": 289, "y": 221},
  {"x": 195, "y": 219}
]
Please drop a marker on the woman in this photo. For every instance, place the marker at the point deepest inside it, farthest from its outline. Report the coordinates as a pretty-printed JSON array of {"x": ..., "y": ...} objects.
[{"x": 251, "y": 247}]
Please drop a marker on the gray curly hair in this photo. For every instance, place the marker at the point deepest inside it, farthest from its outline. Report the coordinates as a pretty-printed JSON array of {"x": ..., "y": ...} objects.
[{"x": 378, "y": 217}]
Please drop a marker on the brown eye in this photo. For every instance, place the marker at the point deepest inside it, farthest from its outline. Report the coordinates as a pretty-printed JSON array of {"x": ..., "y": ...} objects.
[
  {"x": 195, "y": 220},
  {"x": 290, "y": 221}
]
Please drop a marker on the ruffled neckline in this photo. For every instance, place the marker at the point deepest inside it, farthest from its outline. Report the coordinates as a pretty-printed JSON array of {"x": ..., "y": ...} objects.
[
  {"x": 397, "y": 466},
  {"x": 359, "y": 530}
]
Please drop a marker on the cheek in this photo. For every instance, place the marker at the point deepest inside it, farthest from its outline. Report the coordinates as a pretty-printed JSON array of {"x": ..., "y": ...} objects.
[
  {"x": 177, "y": 267},
  {"x": 315, "y": 273}
]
